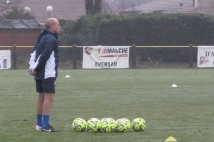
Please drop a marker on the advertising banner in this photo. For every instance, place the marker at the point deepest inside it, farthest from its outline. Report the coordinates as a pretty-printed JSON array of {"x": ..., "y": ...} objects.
[
  {"x": 97, "y": 57},
  {"x": 205, "y": 56},
  {"x": 5, "y": 59}
]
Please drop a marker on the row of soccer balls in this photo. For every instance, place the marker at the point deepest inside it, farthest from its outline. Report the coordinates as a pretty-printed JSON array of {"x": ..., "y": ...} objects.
[{"x": 108, "y": 125}]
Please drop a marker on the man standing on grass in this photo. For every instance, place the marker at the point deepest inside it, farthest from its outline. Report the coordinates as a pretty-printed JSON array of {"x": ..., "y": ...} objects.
[{"x": 43, "y": 65}]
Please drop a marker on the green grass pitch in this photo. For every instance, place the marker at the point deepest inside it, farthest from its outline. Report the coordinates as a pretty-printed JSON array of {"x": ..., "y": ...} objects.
[{"x": 185, "y": 112}]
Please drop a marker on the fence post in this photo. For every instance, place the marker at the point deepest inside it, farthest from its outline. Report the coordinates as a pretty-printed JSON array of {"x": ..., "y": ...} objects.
[
  {"x": 190, "y": 56},
  {"x": 74, "y": 56},
  {"x": 14, "y": 56},
  {"x": 133, "y": 56}
]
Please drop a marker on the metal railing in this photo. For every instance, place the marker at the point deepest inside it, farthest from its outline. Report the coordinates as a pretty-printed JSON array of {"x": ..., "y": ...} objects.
[{"x": 76, "y": 54}]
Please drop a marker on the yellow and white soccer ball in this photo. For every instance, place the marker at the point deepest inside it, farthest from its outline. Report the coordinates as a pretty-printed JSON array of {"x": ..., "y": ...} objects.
[
  {"x": 79, "y": 125},
  {"x": 128, "y": 123},
  {"x": 121, "y": 125},
  {"x": 93, "y": 125},
  {"x": 107, "y": 125},
  {"x": 139, "y": 124}
]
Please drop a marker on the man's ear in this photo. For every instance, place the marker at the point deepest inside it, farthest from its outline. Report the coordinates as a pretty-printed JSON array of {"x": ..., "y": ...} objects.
[{"x": 51, "y": 27}]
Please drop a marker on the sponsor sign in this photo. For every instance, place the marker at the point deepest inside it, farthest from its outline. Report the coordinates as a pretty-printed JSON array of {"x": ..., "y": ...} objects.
[
  {"x": 205, "y": 56},
  {"x": 5, "y": 59},
  {"x": 97, "y": 57}
]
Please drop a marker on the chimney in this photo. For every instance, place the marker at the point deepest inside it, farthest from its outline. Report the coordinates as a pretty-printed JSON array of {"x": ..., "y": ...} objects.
[{"x": 195, "y": 3}]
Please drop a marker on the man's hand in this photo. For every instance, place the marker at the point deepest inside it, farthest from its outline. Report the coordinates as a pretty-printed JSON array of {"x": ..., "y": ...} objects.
[{"x": 30, "y": 72}]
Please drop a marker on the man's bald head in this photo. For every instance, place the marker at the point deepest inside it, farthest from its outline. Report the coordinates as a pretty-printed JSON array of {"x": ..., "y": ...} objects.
[{"x": 52, "y": 24}]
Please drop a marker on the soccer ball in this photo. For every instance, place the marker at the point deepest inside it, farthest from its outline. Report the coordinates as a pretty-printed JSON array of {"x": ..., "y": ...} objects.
[
  {"x": 128, "y": 123},
  {"x": 79, "y": 125},
  {"x": 121, "y": 125},
  {"x": 138, "y": 124},
  {"x": 107, "y": 125},
  {"x": 93, "y": 125}
]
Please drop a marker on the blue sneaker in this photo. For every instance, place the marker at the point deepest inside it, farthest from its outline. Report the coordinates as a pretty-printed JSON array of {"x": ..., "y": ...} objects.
[{"x": 49, "y": 128}]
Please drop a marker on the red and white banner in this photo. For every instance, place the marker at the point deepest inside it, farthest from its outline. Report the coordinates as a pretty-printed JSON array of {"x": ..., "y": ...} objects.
[
  {"x": 5, "y": 59},
  {"x": 205, "y": 56},
  {"x": 97, "y": 57}
]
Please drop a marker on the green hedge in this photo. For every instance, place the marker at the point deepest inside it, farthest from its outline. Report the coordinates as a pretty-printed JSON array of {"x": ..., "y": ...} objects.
[
  {"x": 157, "y": 29},
  {"x": 143, "y": 30},
  {"x": 146, "y": 29},
  {"x": 83, "y": 31}
]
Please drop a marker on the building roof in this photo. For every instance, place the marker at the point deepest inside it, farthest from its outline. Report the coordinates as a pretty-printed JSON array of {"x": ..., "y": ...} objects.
[
  {"x": 62, "y": 9},
  {"x": 19, "y": 24},
  {"x": 205, "y": 6},
  {"x": 165, "y": 6},
  {"x": 175, "y": 6}
]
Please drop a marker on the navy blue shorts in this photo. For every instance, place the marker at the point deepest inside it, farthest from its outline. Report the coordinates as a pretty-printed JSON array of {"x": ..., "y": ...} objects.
[{"x": 46, "y": 85}]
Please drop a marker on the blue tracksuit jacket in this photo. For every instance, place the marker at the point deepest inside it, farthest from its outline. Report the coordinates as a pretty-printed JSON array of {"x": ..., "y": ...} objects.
[{"x": 45, "y": 57}]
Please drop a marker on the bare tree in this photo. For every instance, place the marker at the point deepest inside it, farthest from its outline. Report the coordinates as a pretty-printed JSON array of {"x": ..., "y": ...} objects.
[
  {"x": 93, "y": 7},
  {"x": 4, "y": 6},
  {"x": 98, "y": 6},
  {"x": 13, "y": 9},
  {"x": 88, "y": 7},
  {"x": 7, "y": 5}
]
